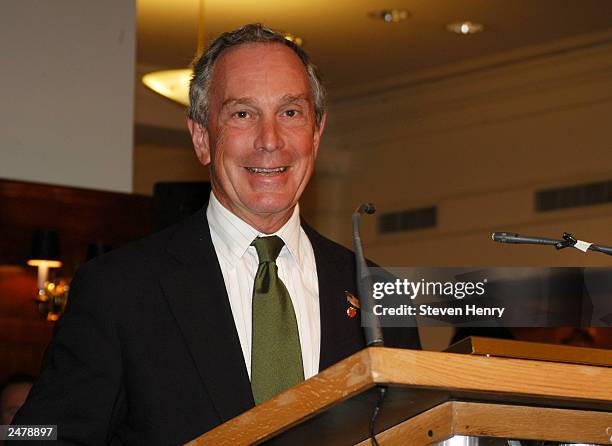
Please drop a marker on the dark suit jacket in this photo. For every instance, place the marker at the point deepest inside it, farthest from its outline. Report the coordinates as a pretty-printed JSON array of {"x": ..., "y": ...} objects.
[{"x": 147, "y": 351}]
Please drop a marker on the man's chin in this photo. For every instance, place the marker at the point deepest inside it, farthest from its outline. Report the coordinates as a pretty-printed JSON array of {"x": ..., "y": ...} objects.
[
  {"x": 272, "y": 210},
  {"x": 267, "y": 203},
  {"x": 260, "y": 211}
]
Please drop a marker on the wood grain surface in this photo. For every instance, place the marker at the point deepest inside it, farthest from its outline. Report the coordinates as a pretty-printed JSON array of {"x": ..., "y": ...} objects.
[
  {"x": 500, "y": 421},
  {"x": 303, "y": 401},
  {"x": 432, "y": 426},
  {"x": 499, "y": 379},
  {"x": 532, "y": 423},
  {"x": 81, "y": 216},
  {"x": 506, "y": 348},
  {"x": 489, "y": 374}
]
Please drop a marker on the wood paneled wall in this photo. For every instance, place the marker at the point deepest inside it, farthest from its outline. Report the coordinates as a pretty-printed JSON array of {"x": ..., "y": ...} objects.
[{"x": 81, "y": 216}]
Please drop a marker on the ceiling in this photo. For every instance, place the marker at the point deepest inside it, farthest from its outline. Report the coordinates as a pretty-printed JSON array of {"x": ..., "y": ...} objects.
[{"x": 351, "y": 48}]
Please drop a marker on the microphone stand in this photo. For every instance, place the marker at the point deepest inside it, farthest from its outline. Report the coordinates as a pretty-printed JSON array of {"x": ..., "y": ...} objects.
[{"x": 372, "y": 331}]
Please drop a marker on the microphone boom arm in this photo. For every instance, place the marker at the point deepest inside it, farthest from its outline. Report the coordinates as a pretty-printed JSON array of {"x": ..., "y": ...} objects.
[{"x": 567, "y": 242}]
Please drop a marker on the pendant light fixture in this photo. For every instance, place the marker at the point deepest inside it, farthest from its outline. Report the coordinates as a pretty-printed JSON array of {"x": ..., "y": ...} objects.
[{"x": 174, "y": 84}]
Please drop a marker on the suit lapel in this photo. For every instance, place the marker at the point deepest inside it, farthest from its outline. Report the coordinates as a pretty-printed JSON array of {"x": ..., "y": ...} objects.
[
  {"x": 341, "y": 336},
  {"x": 326, "y": 302},
  {"x": 196, "y": 294}
]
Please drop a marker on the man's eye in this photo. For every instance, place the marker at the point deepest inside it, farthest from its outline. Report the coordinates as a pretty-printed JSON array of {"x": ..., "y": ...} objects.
[
  {"x": 291, "y": 113},
  {"x": 242, "y": 114}
]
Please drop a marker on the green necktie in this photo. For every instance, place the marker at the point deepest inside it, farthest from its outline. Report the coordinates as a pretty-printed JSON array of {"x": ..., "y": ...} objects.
[{"x": 276, "y": 356}]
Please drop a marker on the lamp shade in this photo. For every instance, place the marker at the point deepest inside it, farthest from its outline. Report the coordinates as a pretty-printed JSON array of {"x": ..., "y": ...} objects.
[
  {"x": 45, "y": 248},
  {"x": 172, "y": 84}
]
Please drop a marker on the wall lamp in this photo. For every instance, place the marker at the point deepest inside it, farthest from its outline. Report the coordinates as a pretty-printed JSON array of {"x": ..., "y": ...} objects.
[{"x": 52, "y": 296}]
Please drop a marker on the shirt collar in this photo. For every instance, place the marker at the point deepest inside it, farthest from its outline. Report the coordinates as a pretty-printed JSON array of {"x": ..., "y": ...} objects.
[{"x": 236, "y": 235}]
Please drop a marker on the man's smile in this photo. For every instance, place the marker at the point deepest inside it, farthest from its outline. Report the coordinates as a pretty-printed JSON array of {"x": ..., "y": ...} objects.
[{"x": 267, "y": 171}]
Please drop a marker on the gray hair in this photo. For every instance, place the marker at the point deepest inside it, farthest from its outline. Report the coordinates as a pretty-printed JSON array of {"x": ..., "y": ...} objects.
[{"x": 251, "y": 33}]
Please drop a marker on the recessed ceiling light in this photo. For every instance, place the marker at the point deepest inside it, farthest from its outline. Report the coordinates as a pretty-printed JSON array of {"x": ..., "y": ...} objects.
[
  {"x": 464, "y": 28},
  {"x": 390, "y": 15}
]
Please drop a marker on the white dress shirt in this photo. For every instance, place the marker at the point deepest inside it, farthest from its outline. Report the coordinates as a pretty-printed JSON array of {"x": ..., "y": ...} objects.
[{"x": 232, "y": 239}]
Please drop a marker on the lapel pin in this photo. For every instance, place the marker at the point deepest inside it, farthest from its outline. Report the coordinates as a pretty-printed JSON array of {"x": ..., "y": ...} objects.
[{"x": 351, "y": 311}]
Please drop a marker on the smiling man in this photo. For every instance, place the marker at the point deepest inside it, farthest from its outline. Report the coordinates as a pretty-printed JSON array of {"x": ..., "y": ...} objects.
[
  {"x": 260, "y": 131},
  {"x": 171, "y": 336}
]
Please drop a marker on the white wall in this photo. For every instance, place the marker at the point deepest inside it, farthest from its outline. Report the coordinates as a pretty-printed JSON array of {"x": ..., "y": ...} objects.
[{"x": 66, "y": 89}]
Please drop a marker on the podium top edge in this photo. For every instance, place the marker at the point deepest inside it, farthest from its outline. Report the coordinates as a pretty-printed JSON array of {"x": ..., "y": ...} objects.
[{"x": 506, "y": 348}]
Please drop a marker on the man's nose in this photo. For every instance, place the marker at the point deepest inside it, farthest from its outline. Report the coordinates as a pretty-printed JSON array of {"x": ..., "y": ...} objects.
[{"x": 268, "y": 135}]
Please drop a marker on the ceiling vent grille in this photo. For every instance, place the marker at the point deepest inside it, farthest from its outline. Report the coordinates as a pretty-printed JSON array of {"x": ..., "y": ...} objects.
[
  {"x": 408, "y": 220},
  {"x": 573, "y": 196}
]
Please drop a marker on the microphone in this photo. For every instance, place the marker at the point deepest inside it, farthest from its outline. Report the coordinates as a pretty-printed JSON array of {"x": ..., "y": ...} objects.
[
  {"x": 510, "y": 237},
  {"x": 567, "y": 242},
  {"x": 373, "y": 332},
  {"x": 366, "y": 208}
]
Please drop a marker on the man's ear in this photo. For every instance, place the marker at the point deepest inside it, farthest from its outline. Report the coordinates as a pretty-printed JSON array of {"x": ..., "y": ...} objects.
[
  {"x": 318, "y": 132},
  {"x": 200, "y": 140}
]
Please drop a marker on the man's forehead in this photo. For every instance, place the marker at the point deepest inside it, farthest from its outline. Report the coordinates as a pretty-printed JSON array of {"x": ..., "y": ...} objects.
[
  {"x": 251, "y": 65},
  {"x": 257, "y": 50}
]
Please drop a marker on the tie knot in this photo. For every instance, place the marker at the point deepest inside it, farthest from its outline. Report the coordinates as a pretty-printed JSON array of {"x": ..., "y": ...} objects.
[{"x": 268, "y": 248}]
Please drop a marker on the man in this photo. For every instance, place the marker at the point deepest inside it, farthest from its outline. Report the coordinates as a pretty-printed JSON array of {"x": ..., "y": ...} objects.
[{"x": 173, "y": 335}]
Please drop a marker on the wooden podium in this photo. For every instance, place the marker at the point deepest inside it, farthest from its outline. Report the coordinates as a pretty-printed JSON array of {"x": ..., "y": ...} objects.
[{"x": 431, "y": 396}]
